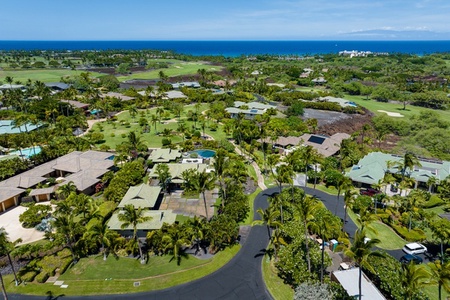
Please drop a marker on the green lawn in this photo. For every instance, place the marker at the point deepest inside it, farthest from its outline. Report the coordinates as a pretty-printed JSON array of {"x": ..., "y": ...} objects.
[
  {"x": 44, "y": 75},
  {"x": 374, "y": 106},
  {"x": 176, "y": 68},
  {"x": 94, "y": 276},
  {"x": 251, "y": 200},
  {"x": 389, "y": 239},
  {"x": 115, "y": 133},
  {"x": 277, "y": 288}
]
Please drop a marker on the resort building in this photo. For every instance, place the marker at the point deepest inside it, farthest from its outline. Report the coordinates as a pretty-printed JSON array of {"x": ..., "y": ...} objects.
[
  {"x": 372, "y": 168},
  {"x": 249, "y": 110}
]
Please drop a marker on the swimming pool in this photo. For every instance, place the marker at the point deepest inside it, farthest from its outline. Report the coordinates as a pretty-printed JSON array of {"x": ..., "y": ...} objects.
[
  {"x": 27, "y": 152},
  {"x": 205, "y": 153}
]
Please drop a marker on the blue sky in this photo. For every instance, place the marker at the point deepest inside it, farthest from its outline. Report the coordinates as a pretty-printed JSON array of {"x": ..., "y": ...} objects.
[{"x": 224, "y": 20}]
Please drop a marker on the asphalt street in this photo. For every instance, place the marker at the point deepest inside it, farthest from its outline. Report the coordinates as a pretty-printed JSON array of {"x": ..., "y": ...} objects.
[{"x": 241, "y": 278}]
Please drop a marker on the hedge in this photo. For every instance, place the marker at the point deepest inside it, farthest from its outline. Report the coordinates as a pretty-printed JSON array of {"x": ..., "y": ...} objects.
[
  {"x": 28, "y": 276},
  {"x": 65, "y": 265},
  {"x": 411, "y": 236},
  {"x": 433, "y": 202},
  {"x": 42, "y": 277}
]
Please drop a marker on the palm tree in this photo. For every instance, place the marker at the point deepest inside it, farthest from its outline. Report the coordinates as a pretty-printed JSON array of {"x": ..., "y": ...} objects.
[
  {"x": 440, "y": 275},
  {"x": 204, "y": 182},
  {"x": 164, "y": 176},
  {"x": 220, "y": 160},
  {"x": 342, "y": 183},
  {"x": 65, "y": 190},
  {"x": 284, "y": 174},
  {"x": 2, "y": 283},
  {"x": 159, "y": 112},
  {"x": 326, "y": 226},
  {"x": 133, "y": 111},
  {"x": 101, "y": 233},
  {"x": 276, "y": 241},
  {"x": 133, "y": 217},
  {"x": 134, "y": 141},
  {"x": 408, "y": 162},
  {"x": 432, "y": 182},
  {"x": 69, "y": 229},
  {"x": 269, "y": 217},
  {"x": 360, "y": 250},
  {"x": 307, "y": 208},
  {"x": 6, "y": 247},
  {"x": 349, "y": 199},
  {"x": 175, "y": 241},
  {"x": 413, "y": 277},
  {"x": 154, "y": 120},
  {"x": 197, "y": 231}
]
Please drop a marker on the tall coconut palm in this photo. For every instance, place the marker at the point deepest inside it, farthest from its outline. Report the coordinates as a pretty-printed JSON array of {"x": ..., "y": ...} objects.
[
  {"x": 284, "y": 174},
  {"x": 69, "y": 229},
  {"x": 349, "y": 198},
  {"x": 440, "y": 275},
  {"x": 407, "y": 163},
  {"x": 360, "y": 250},
  {"x": 6, "y": 246},
  {"x": 133, "y": 217},
  {"x": 307, "y": 207},
  {"x": 220, "y": 160},
  {"x": 269, "y": 216},
  {"x": 342, "y": 183},
  {"x": 413, "y": 277},
  {"x": 102, "y": 234},
  {"x": 174, "y": 241},
  {"x": 204, "y": 182},
  {"x": 154, "y": 120}
]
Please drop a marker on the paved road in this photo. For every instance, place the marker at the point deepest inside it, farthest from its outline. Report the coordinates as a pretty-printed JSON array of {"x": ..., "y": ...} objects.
[{"x": 241, "y": 278}]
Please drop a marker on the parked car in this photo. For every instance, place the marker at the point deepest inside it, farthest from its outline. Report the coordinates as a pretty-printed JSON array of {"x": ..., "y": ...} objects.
[
  {"x": 414, "y": 248},
  {"x": 407, "y": 258},
  {"x": 369, "y": 192}
]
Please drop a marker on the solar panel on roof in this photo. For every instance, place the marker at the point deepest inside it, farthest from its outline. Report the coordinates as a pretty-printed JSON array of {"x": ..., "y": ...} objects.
[
  {"x": 316, "y": 139},
  {"x": 253, "y": 110}
]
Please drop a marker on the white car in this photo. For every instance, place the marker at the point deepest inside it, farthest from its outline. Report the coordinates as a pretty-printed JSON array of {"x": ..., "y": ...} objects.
[{"x": 414, "y": 248}]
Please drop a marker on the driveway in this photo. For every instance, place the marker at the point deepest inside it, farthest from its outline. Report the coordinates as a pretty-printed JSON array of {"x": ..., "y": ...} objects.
[{"x": 10, "y": 221}]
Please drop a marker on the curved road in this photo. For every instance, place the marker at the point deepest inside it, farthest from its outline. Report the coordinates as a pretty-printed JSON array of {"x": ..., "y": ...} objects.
[{"x": 241, "y": 278}]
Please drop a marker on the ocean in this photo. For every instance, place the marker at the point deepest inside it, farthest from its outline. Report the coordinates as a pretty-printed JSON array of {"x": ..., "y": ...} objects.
[{"x": 238, "y": 48}]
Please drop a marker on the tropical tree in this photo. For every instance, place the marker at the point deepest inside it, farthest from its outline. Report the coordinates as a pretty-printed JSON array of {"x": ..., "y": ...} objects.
[
  {"x": 164, "y": 176},
  {"x": 220, "y": 162},
  {"x": 65, "y": 190},
  {"x": 6, "y": 247},
  {"x": 440, "y": 275},
  {"x": 360, "y": 250},
  {"x": 276, "y": 241},
  {"x": 349, "y": 198},
  {"x": 307, "y": 207},
  {"x": 284, "y": 174},
  {"x": 440, "y": 229},
  {"x": 154, "y": 120},
  {"x": 69, "y": 230},
  {"x": 133, "y": 217},
  {"x": 133, "y": 111},
  {"x": 102, "y": 234},
  {"x": 269, "y": 217},
  {"x": 204, "y": 181},
  {"x": 407, "y": 163},
  {"x": 135, "y": 143},
  {"x": 343, "y": 183},
  {"x": 413, "y": 277},
  {"x": 174, "y": 241},
  {"x": 196, "y": 229}
]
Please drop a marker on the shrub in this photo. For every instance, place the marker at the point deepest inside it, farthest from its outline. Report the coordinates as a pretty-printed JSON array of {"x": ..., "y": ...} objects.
[
  {"x": 65, "y": 265},
  {"x": 433, "y": 202},
  {"x": 411, "y": 236},
  {"x": 28, "y": 276},
  {"x": 42, "y": 277},
  {"x": 123, "y": 135},
  {"x": 113, "y": 134}
]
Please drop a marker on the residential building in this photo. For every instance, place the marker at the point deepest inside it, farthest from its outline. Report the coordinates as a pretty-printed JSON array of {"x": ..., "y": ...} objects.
[
  {"x": 164, "y": 155},
  {"x": 251, "y": 110},
  {"x": 349, "y": 280},
  {"x": 175, "y": 170}
]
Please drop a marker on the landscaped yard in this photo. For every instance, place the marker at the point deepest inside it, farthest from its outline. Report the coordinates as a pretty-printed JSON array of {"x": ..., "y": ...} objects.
[
  {"x": 176, "y": 68},
  {"x": 94, "y": 276},
  {"x": 389, "y": 239},
  {"x": 277, "y": 288},
  {"x": 116, "y": 132}
]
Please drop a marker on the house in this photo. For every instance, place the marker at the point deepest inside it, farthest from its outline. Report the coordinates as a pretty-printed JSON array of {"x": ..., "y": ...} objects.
[
  {"x": 57, "y": 86},
  {"x": 176, "y": 170},
  {"x": 325, "y": 145},
  {"x": 189, "y": 84},
  {"x": 251, "y": 110},
  {"x": 164, "y": 155},
  {"x": 319, "y": 80},
  {"x": 77, "y": 104},
  {"x": 84, "y": 169},
  {"x": 342, "y": 102},
  {"x": 119, "y": 96},
  {"x": 157, "y": 219},
  {"x": 372, "y": 168},
  {"x": 8, "y": 86},
  {"x": 349, "y": 280},
  {"x": 141, "y": 196}
]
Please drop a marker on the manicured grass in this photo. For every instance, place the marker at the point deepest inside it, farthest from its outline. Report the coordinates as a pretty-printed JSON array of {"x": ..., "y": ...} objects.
[
  {"x": 323, "y": 188},
  {"x": 251, "y": 172},
  {"x": 93, "y": 276},
  {"x": 177, "y": 68},
  {"x": 182, "y": 219},
  {"x": 389, "y": 239},
  {"x": 44, "y": 75},
  {"x": 251, "y": 201},
  {"x": 432, "y": 292},
  {"x": 374, "y": 106},
  {"x": 277, "y": 288},
  {"x": 115, "y": 133}
]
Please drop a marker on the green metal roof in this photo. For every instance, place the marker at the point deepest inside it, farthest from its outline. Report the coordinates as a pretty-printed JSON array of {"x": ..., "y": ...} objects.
[
  {"x": 175, "y": 170},
  {"x": 141, "y": 196},
  {"x": 164, "y": 155},
  {"x": 158, "y": 217},
  {"x": 372, "y": 167}
]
